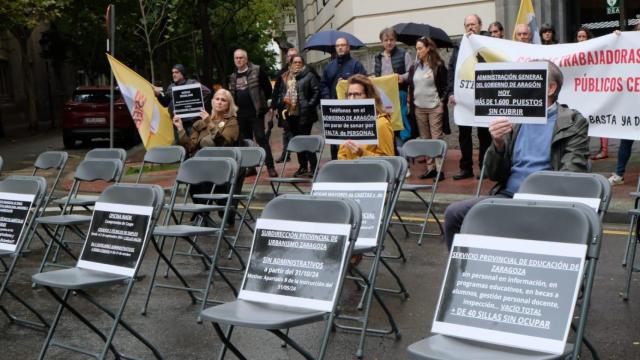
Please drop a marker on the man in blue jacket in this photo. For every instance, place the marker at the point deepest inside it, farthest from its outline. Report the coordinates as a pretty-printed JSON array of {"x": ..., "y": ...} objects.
[{"x": 342, "y": 67}]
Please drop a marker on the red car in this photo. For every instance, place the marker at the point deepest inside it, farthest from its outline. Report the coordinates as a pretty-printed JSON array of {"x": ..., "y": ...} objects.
[{"x": 86, "y": 116}]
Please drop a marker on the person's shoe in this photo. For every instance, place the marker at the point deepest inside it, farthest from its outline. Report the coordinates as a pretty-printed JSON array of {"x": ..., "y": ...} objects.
[
  {"x": 463, "y": 174},
  {"x": 272, "y": 172},
  {"x": 428, "y": 174},
  {"x": 250, "y": 172},
  {"x": 599, "y": 156},
  {"x": 408, "y": 174},
  {"x": 300, "y": 172},
  {"x": 616, "y": 179}
]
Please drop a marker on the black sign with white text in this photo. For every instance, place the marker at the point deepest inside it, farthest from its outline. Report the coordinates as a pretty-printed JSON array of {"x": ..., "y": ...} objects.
[
  {"x": 187, "y": 100},
  {"x": 349, "y": 120},
  {"x": 14, "y": 209},
  {"x": 515, "y": 90}
]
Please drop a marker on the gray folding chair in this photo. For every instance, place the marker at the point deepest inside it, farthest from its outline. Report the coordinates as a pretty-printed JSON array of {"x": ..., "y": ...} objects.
[
  {"x": 35, "y": 186},
  {"x": 275, "y": 318},
  {"x": 524, "y": 219},
  {"x": 220, "y": 172},
  {"x": 55, "y": 226},
  {"x": 632, "y": 222},
  {"x": 366, "y": 171},
  {"x": 432, "y": 148},
  {"x": 482, "y": 176},
  {"x": 85, "y": 201},
  {"x": 161, "y": 155},
  {"x": 300, "y": 143},
  {"x": 85, "y": 277}
]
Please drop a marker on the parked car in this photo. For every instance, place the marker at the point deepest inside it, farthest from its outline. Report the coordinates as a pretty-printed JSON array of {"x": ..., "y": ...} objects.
[{"x": 86, "y": 116}]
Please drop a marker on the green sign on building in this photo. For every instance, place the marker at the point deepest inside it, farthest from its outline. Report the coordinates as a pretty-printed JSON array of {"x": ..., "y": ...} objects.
[{"x": 613, "y": 7}]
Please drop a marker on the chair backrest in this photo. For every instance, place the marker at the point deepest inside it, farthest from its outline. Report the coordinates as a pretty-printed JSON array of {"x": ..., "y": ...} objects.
[
  {"x": 251, "y": 156},
  {"x": 134, "y": 194},
  {"x": 28, "y": 185},
  {"x": 197, "y": 170},
  {"x": 106, "y": 153},
  {"x": 248, "y": 143},
  {"x": 312, "y": 143},
  {"x": 218, "y": 152},
  {"x": 356, "y": 171},
  {"x": 98, "y": 169},
  {"x": 165, "y": 155},
  {"x": 398, "y": 164},
  {"x": 51, "y": 160},
  {"x": 433, "y": 148},
  {"x": 569, "y": 184},
  {"x": 24, "y": 190}
]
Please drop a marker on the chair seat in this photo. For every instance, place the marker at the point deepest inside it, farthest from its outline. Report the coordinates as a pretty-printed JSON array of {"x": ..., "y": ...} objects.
[
  {"x": 6, "y": 252},
  {"x": 441, "y": 347},
  {"x": 361, "y": 249},
  {"x": 219, "y": 196},
  {"x": 290, "y": 180},
  {"x": 634, "y": 212},
  {"x": 415, "y": 187},
  {"x": 66, "y": 220},
  {"x": 634, "y": 194},
  {"x": 195, "y": 208},
  {"x": 77, "y": 278},
  {"x": 79, "y": 200},
  {"x": 261, "y": 316},
  {"x": 184, "y": 230}
]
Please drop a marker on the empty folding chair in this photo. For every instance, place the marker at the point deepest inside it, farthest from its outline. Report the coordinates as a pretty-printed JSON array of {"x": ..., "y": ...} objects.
[
  {"x": 300, "y": 143},
  {"x": 127, "y": 213},
  {"x": 22, "y": 197},
  {"x": 161, "y": 155},
  {"x": 372, "y": 176},
  {"x": 55, "y": 226},
  {"x": 436, "y": 149},
  {"x": 220, "y": 172},
  {"x": 267, "y": 308},
  {"x": 543, "y": 221}
]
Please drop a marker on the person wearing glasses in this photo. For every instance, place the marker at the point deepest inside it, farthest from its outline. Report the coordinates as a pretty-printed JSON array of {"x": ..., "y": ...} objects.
[
  {"x": 428, "y": 91},
  {"x": 361, "y": 87},
  {"x": 298, "y": 97},
  {"x": 342, "y": 67}
]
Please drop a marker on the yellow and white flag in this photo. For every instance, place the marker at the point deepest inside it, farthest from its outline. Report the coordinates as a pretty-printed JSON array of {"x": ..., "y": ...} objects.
[
  {"x": 527, "y": 15},
  {"x": 151, "y": 118},
  {"x": 389, "y": 93}
]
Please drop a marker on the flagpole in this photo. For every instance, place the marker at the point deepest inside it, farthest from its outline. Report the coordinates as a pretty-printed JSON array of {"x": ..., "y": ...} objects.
[{"x": 111, "y": 18}]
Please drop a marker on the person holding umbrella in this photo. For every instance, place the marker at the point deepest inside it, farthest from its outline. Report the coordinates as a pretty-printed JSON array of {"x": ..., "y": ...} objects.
[
  {"x": 427, "y": 82},
  {"x": 395, "y": 60}
]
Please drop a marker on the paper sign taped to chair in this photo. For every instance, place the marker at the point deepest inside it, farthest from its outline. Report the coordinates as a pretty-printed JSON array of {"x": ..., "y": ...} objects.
[
  {"x": 349, "y": 120},
  {"x": 116, "y": 238},
  {"x": 512, "y": 292},
  {"x": 593, "y": 203},
  {"x": 296, "y": 263},
  {"x": 370, "y": 197},
  {"x": 14, "y": 209}
]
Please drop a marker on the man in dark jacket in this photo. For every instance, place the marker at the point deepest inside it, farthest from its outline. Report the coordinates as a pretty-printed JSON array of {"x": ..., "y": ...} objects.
[
  {"x": 179, "y": 78},
  {"x": 250, "y": 87},
  {"x": 342, "y": 67},
  {"x": 472, "y": 25},
  {"x": 517, "y": 150}
]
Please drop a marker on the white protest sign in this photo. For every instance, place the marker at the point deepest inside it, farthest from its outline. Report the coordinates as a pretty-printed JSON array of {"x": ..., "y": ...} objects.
[
  {"x": 296, "y": 263},
  {"x": 370, "y": 197},
  {"x": 116, "y": 238},
  {"x": 14, "y": 210},
  {"x": 187, "y": 100},
  {"x": 349, "y": 120},
  {"x": 512, "y": 292},
  {"x": 601, "y": 78},
  {"x": 593, "y": 203}
]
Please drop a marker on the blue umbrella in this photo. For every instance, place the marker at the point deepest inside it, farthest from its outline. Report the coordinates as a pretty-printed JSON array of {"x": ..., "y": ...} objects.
[{"x": 326, "y": 40}]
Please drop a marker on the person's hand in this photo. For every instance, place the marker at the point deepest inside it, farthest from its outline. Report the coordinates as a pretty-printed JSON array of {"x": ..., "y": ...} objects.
[
  {"x": 353, "y": 147},
  {"x": 499, "y": 128},
  {"x": 452, "y": 100},
  {"x": 399, "y": 79},
  {"x": 156, "y": 89},
  {"x": 177, "y": 122},
  {"x": 204, "y": 114}
]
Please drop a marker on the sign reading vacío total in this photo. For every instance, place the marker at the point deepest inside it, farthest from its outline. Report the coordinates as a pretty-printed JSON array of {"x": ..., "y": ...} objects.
[
  {"x": 296, "y": 263},
  {"x": 187, "y": 100},
  {"x": 14, "y": 209},
  {"x": 349, "y": 120},
  {"x": 370, "y": 197},
  {"x": 116, "y": 238},
  {"x": 515, "y": 90},
  {"x": 512, "y": 292}
]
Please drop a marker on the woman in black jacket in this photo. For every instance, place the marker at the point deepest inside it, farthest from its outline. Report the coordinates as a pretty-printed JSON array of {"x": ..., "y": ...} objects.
[{"x": 298, "y": 100}]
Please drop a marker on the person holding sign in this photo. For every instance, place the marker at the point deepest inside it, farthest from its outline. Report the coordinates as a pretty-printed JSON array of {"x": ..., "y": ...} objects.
[
  {"x": 361, "y": 87},
  {"x": 517, "y": 150},
  {"x": 428, "y": 90}
]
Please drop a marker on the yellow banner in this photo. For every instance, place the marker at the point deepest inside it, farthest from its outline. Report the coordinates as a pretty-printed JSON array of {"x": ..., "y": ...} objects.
[
  {"x": 151, "y": 118},
  {"x": 387, "y": 87}
]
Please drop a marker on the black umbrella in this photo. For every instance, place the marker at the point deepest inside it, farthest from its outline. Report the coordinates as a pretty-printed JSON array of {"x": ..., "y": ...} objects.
[
  {"x": 326, "y": 40},
  {"x": 409, "y": 33}
]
